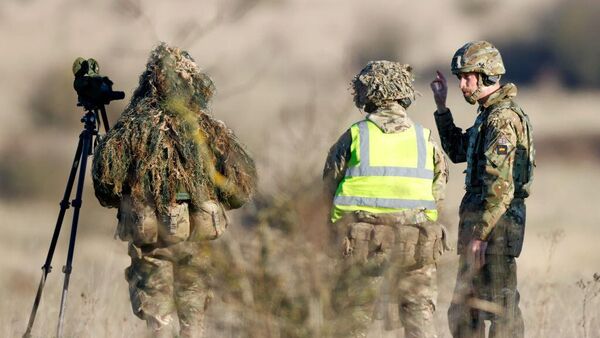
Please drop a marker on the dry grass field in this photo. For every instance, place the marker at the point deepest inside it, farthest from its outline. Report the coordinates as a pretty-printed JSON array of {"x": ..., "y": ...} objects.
[{"x": 282, "y": 69}]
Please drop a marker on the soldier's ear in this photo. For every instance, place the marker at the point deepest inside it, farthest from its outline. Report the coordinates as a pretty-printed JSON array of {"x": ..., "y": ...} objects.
[
  {"x": 370, "y": 107},
  {"x": 490, "y": 80},
  {"x": 405, "y": 102}
]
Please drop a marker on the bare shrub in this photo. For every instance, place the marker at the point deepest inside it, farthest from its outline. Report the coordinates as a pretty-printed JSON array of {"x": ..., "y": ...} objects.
[
  {"x": 590, "y": 289},
  {"x": 546, "y": 293}
]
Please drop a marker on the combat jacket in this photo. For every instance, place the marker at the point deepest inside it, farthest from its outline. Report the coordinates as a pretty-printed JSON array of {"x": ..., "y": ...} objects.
[
  {"x": 390, "y": 119},
  {"x": 499, "y": 153}
]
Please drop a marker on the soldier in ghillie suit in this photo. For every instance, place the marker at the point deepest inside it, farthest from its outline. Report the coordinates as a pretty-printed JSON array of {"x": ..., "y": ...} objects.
[
  {"x": 172, "y": 170},
  {"x": 499, "y": 153},
  {"x": 385, "y": 177}
]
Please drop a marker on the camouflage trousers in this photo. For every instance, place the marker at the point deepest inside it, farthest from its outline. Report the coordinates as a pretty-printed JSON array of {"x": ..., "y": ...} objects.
[
  {"x": 487, "y": 294},
  {"x": 169, "y": 283},
  {"x": 359, "y": 298}
]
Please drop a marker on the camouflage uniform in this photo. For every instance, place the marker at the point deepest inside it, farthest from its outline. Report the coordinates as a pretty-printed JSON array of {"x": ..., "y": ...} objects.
[
  {"x": 499, "y": 153},
  {"x": 172, "y": 187},
  {"x": 379, "y": 254},
  {"x": 168, "y": 280}
]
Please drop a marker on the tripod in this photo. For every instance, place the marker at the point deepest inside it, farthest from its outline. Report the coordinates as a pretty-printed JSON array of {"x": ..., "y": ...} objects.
[{"x": 85, "y": 148}]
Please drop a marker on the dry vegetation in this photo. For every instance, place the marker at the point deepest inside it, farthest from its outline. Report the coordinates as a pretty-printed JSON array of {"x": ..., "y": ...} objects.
[{"x": 282, "y": 70}]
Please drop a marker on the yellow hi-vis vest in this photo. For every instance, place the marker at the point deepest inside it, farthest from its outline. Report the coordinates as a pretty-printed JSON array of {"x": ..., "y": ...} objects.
[{"x": 387, "y": 172}]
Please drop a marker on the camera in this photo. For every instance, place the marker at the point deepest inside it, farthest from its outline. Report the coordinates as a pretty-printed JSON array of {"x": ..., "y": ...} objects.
[{"x": 93, "y": 90}]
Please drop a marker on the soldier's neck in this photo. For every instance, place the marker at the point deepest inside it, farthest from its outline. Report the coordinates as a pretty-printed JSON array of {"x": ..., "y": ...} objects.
[{"x": 487, "y": 92}]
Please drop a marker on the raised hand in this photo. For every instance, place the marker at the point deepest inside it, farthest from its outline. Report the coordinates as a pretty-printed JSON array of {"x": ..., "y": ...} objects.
[{"x": 439, "y": 87}]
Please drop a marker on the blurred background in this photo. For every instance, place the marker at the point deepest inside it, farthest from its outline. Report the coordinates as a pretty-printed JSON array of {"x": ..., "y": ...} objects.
[{"x": 282, "y": 70}]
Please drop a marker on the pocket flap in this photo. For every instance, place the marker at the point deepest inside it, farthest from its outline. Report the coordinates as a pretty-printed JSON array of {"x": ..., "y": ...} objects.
[{"x": 361, "y": 231}]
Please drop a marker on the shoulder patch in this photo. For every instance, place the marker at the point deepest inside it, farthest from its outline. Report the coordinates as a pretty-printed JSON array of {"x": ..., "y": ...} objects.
[
  {"x": 502, "y": 140},
  {"x": 502, "y": 149}
]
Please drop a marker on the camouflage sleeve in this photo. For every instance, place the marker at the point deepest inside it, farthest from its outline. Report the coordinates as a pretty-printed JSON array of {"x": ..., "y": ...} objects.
[
  {"x": 440, "y": 175},
  {"x": 227, "y": 163},
  {"x": 239, "y": 177},
  {"x": 501, "y": 134},
  {"x": 110, "y": 165},
  {"x": 335, "y": 166},
  {"x": 454, "y": 141}
]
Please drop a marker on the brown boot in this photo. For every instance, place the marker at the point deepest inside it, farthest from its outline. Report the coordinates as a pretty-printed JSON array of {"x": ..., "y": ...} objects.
[
  {"x": 160, "y": 330},
  {"x": 191, "y": 331}
]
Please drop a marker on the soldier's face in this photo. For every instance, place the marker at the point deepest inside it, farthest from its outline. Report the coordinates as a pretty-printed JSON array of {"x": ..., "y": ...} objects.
[{"x": 468, "y": 83}]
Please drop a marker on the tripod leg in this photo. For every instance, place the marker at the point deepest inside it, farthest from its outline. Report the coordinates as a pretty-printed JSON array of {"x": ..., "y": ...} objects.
[
  {"x": 86, "y": 140},
  {"x": 47, "y": 268},
  {"x": 104, "y": 118}
]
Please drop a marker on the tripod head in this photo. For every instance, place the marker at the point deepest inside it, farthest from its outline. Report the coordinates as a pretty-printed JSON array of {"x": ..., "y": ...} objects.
[{"x": 94, "y": 91}]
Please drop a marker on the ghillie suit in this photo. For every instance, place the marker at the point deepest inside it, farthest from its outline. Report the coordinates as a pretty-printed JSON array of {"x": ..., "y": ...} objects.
[
  {"x": 174, "y": 142},
  {"x": 172, "y": 170}
]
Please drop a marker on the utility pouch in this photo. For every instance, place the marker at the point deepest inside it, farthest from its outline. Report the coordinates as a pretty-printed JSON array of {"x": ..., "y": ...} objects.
[
  {"x": 137, "y": 223},
  {"x": 430, "y": 245},
  {"x": 515, "y": 228},
  {"x": 383, "y": 239},
  {"x": 356, "y": 243},
  {"x": 175, "y": 225},
  {"x": 407, "y": 238},
  {"x": 208, "y": 222},
  {"x": 380, "y": 248},
  {"x": 522, "y": 172}
]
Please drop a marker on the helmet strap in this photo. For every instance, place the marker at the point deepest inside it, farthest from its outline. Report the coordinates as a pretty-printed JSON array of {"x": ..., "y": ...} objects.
[{"x": 472, "y": 99}]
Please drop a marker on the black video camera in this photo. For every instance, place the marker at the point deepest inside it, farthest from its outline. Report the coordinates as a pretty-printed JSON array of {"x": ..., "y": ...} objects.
[{"x": 93, "y": 90}]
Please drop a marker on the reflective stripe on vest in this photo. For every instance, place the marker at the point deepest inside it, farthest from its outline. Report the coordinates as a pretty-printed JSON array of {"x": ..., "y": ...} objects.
[
  {"x": 392, "y": 203},
  {"x": 365, "y": 168},
  {"x": 380, "y": 181}
]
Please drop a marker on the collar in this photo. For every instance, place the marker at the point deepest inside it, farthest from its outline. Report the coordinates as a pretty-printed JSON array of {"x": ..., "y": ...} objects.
[
  {"x": 390, "y": 118},
  {"x": 506, "y": 91}
]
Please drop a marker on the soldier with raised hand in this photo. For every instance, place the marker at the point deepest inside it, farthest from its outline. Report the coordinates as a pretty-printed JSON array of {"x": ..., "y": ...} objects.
[
  {"x": 385, "y": 178},
  {"x": 172, "y": 170},
  {"x": 499, "y": 153}
]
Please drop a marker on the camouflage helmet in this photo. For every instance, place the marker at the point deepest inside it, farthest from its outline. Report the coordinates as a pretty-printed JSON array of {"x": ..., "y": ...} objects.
[
  {"x": 478, "y": 57},
  {"x": 382, "y": 81},
  {"x": 172, "y": 73}
]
